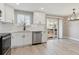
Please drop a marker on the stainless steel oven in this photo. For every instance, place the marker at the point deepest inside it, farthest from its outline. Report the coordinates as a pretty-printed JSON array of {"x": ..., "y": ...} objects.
[{"x": 6, "y": 43}]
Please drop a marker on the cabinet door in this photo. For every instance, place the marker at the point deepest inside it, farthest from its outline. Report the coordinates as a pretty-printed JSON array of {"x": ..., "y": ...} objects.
[
  {"x": 28, "y": 38},
  {"x": 44, "y": 36},
  {"x": 2, "y": 8},
  {"x": 39, "y": 18},
  {"x": 17, "y": 40},
  {"x": 21, "y": 39},
  {"x": 9, "y": 14}
]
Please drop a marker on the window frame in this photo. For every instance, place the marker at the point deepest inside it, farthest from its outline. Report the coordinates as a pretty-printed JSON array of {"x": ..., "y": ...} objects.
[{"x": 23, "y": 13}]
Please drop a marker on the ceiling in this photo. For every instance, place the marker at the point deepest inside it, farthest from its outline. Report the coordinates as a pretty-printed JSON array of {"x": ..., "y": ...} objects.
[{"x": 60, "y": 9}]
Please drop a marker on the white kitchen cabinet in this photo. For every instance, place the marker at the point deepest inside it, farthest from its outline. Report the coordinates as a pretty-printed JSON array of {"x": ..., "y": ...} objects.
[
  {"x": 28, "y": 38},
  {"x": 17, "y": 39},
  {"x": 21, "y": 39},
  {"x": 2, "y": 8},
  {"x": 7, "y": 13},
  {"x": 44, "y": 36},
  {"x": 39, "y": 18}
]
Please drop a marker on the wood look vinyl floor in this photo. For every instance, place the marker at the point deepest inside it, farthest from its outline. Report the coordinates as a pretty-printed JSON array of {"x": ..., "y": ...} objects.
[{"x": 52, "y": 47}]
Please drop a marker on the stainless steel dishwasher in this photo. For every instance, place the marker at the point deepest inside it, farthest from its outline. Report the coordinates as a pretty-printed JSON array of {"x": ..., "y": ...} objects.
[{"x": 36, "y": 37}]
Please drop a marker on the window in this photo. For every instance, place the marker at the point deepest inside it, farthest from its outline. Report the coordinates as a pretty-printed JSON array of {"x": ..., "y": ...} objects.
[
  {"x": 23, "y": 17},
  {"x": 20, "y": 19},
  {"x": 27, "y": 20}
]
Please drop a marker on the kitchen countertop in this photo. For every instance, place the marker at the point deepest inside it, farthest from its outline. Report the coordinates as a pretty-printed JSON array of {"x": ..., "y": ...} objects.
[
  {"x": 3, "y": 34},
  {"x": 22, "y": 31}
]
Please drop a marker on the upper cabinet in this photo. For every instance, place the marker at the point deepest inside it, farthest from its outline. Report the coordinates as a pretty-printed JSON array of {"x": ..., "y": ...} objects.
[
  {"x": 2, "y": 14},
  {"x": 7, "y": 13},
  {"x": 39, "y": 18}
]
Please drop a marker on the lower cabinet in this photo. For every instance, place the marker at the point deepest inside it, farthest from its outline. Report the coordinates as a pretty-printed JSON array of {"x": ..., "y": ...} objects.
[
  {"x": 21, "y": 39},
  {"x": 44, "y": 36},
  {"x": 28, "y": 38},
  {"x": 25, "y": 38}
]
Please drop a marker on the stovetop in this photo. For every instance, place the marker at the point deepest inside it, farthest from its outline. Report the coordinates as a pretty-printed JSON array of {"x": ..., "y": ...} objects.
[{"x": 4, "y": 34}]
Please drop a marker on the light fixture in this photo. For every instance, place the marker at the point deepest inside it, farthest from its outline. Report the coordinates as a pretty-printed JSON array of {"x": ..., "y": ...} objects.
[
  {"x": 74, "y": 15},
  {"x": 17, "y": 3},
  {"x": 42, "y": 8}
]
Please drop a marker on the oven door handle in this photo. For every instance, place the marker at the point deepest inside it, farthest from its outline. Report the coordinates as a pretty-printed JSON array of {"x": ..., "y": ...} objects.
[{"x": 4, "y": 38}]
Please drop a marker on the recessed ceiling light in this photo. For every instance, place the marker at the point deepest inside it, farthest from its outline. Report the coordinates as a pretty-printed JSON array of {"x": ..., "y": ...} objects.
[
  {"x": 17, "y": 3},
  {"x": 42, "y": 8}
]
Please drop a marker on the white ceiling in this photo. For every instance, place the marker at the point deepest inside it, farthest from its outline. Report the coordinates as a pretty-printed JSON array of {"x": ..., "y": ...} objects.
[{"x": 61, "y": 9}]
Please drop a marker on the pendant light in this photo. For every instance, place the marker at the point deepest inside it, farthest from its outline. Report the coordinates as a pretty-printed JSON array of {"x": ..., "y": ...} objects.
[{"x": 73, "y": 16}]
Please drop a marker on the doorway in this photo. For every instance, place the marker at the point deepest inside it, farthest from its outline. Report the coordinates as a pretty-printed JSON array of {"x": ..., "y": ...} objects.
[{"x": 54, "y": 28}]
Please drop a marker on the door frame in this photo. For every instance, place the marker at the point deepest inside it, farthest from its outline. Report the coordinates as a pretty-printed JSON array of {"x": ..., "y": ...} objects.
[{"x": 58, "y": 27}]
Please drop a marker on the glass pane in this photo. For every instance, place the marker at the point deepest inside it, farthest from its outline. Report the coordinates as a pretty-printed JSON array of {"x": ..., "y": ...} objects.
[
  {"x": 27, "y": 20},
  {"x": 20, "y": 19}
]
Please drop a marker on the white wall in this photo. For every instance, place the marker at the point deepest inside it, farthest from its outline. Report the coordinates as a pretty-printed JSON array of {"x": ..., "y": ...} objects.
[
  {"x": 71, "y": 30},
  {"x": 60, "y": 28},
  {"x": 74, "y": 30}
]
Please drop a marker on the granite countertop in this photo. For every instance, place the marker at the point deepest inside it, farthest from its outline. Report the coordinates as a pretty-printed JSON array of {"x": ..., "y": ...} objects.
[
  {"x": 21, "y": 31},
  {"x": 25, "y": 31},
  {"x": 3, "y": 34}
]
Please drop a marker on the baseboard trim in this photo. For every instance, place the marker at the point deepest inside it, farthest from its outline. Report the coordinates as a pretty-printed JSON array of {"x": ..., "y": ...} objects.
[
  {"x": 71, "y": 38},
  {"x": 21, "y": 46},
  {"x": 74, "y": 38}
]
